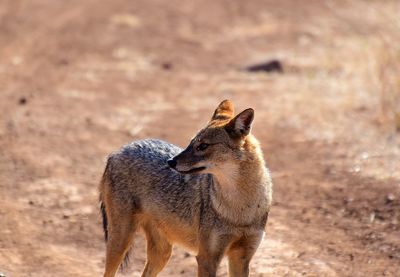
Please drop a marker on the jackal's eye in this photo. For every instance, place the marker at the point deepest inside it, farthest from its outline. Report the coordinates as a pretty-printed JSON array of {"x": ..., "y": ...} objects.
[{"x": 202, "y": 146}]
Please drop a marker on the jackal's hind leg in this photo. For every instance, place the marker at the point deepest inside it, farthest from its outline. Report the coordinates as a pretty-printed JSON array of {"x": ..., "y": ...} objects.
[
  {"x": 158, "y": 251},
  {"x": 120, "y": 238}
]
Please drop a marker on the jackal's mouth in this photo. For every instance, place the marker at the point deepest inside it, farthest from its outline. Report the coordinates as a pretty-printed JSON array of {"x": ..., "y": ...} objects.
[{"x": 193, "y": 170}]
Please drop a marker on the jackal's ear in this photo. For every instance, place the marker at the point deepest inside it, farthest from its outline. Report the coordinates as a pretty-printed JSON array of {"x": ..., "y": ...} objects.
[
  {"x": 224, "y": 111},
  {"x": 240, "y": 125}
]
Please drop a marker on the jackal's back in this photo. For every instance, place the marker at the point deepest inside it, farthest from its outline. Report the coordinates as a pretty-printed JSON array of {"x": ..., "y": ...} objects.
[{"x": 141, "y": 179}]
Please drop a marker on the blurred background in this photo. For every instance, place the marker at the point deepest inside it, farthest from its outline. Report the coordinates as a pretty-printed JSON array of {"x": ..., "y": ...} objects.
[{"x": 78, "y": 79}]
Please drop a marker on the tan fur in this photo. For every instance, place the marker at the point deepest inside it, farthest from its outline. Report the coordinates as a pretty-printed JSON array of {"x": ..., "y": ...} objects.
[{"x": 227, "y": 212}]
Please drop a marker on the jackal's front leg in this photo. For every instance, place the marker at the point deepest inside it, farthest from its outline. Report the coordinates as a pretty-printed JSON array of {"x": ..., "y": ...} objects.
[
  {"x": 240, "y": 254},
  {"x": 208, "y": 265},
  {"x": 158, "y": 251},
  {"x": 211, "y": 251}
]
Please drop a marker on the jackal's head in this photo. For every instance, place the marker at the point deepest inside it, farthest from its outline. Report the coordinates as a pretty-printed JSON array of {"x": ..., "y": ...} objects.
[{"x": 220, "y": 146}]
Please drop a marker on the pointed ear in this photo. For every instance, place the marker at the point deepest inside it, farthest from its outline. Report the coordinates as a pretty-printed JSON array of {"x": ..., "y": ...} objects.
[
  {"x": 240, "y": 126},
  {"x": 224, "y": 111}
]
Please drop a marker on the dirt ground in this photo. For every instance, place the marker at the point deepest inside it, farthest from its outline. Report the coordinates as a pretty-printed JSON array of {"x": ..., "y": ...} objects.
[{"x": 78, "y": 79}]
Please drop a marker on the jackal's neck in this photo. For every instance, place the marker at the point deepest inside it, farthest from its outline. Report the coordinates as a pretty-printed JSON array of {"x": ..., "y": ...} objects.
[{"x": 242, "y": 188}]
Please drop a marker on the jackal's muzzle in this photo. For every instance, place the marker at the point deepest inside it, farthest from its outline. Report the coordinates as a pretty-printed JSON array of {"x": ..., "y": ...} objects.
[{"x": 186, "y": 162}]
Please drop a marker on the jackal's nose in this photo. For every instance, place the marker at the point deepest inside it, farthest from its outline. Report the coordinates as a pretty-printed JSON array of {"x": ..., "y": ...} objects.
[{"x": 171, "y": 163}]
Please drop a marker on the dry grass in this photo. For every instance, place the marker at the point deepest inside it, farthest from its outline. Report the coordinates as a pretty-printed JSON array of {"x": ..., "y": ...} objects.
[
  {"x": 388, "y": 67},
  {"x": 386, "y": 54},
  {"x": 368, "y": 50}
]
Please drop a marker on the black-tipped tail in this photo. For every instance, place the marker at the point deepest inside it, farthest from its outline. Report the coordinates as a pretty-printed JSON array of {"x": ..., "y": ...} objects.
[
  {"x": 104, "y": 217},
  {"x": 125, "y": 263}
]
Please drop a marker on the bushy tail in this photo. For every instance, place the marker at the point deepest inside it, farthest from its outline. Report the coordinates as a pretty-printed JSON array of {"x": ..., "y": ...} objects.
[
  {"x": 104, "y": 182},
  {"x": 104, "y": 218}
]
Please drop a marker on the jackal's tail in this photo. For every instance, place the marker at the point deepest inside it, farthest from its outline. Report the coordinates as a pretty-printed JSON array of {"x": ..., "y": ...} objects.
[
  {"x": 104, "y": 219},
  {"x": 104, "y": 181}
]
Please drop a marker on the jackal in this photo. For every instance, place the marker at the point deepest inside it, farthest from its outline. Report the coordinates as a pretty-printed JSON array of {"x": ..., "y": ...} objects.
[{"x": 213, "y": 198}]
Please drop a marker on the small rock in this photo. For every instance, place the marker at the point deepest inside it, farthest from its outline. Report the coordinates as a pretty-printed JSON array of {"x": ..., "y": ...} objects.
[
  {"x": 22, "y": 100},
  {"x": 348, "y": 200},
  {"x": 166, "y": 66},
  {"x": 389, "y": 198},
  {"x": 364, "y": 155},
  {"x": 355, "y": 169},
  {"x": 301, "y": 254},
  {"x": 269, "y": 66},
  {"x": 361, "y": 108},
  {"x": 372, "y": 217}
]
